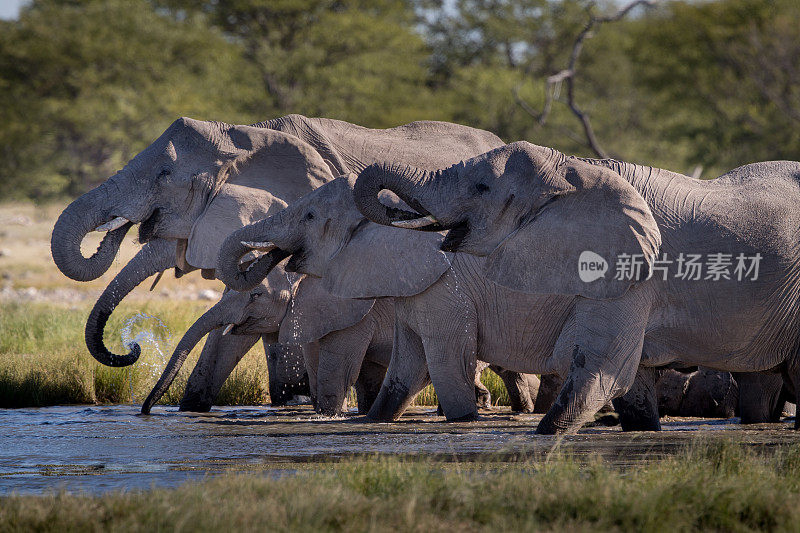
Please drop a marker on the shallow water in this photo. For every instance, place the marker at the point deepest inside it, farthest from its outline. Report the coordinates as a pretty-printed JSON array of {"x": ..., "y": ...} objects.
[{"x": 100, "y": 448}]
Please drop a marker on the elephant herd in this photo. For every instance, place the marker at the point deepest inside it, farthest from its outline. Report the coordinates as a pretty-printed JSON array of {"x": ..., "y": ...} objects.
[{"x": 388, "y": 259}]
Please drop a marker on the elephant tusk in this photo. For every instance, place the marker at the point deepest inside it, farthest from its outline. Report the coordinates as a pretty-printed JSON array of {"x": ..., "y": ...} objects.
[
  {"x": 227, "y": 329},
  {"x": 112, "y": 224},
  {"x": 415, "y": 223},
  {"x": 265, "y": 246},
  {"x": 155, "y": 281}
]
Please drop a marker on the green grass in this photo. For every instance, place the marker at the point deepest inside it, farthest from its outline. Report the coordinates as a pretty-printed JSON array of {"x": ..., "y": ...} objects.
[
  {"x": 44, "y": 361},
  {"x": 714, "y": 486}
]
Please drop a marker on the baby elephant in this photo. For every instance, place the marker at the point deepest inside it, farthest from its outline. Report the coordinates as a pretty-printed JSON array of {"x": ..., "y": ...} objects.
[{"x": 343, "y": 342}]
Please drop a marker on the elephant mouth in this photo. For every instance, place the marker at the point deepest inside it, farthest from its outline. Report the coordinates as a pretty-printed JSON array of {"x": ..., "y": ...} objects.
[
  {"x": 149, "y": 226},
  {"x": 455, "y": 237},
  {"x": 296, "y": 261},
  {"x": 247, "y": 327}
]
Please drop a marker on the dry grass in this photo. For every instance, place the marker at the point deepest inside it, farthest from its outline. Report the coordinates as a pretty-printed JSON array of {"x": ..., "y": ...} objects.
[{"x": 716, "y": 486}]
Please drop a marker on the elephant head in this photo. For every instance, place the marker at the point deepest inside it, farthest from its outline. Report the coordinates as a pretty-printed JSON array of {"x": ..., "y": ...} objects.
[
  {"x": 535, "y": 213},
  {"x": 195, "y": 184},
  {"x": 328, "y": 238}
]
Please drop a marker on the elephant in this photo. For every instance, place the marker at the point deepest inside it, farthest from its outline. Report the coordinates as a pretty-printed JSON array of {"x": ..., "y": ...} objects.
[
  {"x": 221, "y": 353},
  {"x": 245, "y": 171},
  {"x": 549, "y": 224},
  {"x": 345, "y": 342},
  {"x": 442, "y": 302},
  {"x": 200, "y": 180},
  {"x": 703, "y": 393}
]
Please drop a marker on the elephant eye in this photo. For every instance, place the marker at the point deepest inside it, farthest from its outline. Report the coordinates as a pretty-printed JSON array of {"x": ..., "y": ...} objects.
[
  {"x": 165, "y": 173},
  {"x": 309, "y": 216},
  {"x": 481, "y": 188}
]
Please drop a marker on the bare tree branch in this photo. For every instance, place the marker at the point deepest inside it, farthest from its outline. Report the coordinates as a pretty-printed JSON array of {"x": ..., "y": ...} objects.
[{"x": 567, "y": 76}]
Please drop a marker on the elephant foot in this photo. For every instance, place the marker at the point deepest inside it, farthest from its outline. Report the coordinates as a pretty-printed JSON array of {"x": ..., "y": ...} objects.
[{"x": 469, "y": 417}]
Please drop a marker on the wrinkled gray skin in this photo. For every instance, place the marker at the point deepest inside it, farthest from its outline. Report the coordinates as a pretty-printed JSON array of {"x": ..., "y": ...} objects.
[
  {"x": 201, "y": 180},
  {"x": 439, "y": 308},
  {"x": 532, "y": 211}
]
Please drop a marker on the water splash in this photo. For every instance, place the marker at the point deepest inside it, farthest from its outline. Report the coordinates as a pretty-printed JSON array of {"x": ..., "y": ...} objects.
[
  {"x": 148, "y": 332},
  {"x": 294, "y": 319}
]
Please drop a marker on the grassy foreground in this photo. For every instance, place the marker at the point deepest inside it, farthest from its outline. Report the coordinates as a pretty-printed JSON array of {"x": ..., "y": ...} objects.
[{"x": 719, "y": 486}]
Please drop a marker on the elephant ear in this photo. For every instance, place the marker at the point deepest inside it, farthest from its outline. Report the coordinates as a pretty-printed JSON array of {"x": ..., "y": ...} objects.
[
  {"x": 272, "y": 170},
  {"x": 314, "y": 313},
  {"x": 381, "y": 261},
  {"x": 576, "y": 243}
]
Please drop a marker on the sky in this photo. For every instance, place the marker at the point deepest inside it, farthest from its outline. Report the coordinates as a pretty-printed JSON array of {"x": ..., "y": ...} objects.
[{"x": 9, "y": 9}]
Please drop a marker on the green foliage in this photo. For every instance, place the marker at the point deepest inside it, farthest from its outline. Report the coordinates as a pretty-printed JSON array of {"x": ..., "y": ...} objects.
[
  {"x": 84, "y": 85},
  {"x": 715, "y": 485}
]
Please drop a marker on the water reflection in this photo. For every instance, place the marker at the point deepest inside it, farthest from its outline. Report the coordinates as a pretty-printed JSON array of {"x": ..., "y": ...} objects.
[{"x": 100, "y": 448}]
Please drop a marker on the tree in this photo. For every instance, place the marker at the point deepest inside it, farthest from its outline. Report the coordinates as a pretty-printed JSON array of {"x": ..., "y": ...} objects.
[
  {"x": 725, "y": 77},
  {"x": 86, "y": 85}
]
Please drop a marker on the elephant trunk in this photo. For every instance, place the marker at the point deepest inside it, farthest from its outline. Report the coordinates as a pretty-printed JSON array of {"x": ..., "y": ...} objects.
[
  {"x": 83, "y": 215},
  {"x": 211, "y": 319},
  {"x": 405, "y": 181},
  {"x": 233, "y": 249},
  {"x": 153, "y": 258}
]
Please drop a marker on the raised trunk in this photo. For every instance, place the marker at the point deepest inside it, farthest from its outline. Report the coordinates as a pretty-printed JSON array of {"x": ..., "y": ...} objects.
[
  {"x": 404, "y": 181},
  {"x": 79, "y": 218},
  {"x": 211, "y": 319},
  {"x": 232, "y": 250},
  {"x": 153, "y": 258}
]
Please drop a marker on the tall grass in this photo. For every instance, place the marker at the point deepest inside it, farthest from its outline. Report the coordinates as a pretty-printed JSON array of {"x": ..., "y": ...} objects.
[
  {"x": 720, "y": 487},
  {"x": 44, "y": 361}
]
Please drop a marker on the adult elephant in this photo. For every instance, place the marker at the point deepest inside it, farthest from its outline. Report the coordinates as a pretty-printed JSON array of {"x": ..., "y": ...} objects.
[
  {"x": 443, "y": 304},
  {"x": 552, "y": 224},
  {"x": 201, "y": 180}
]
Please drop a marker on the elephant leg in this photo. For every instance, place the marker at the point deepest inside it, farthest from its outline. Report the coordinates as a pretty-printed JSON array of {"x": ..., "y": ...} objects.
[
  {"x": 341, "y": 354},
  {"x": 406, "y": 376},
  {"x": 368, "y": 384},
  {"x": 605, "y": 357},
  {"x": 483, "y": 397},
  {"x": 761, "y": 397},
  {"x": 451, "y": 364},
  {"x": 522, "y": 388},
  {"x": 638, "y": 408},
  {"x": 311, "y": 361},
  {"x": 220, "y": 355},
  {"x": 549, "y": 387},
  {"x": 710, "y": 393},
  {"x": 287, "y": 376}
]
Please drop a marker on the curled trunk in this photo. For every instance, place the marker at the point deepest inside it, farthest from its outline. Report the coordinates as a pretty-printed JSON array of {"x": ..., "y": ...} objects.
[
  {"x": 211, "y": 319},
  {"x": 231, "y": 252},
  {"x": 79, "y": 218},
  {"x": 401, "y": 180},
  {"x": 153, "y": 258}
]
